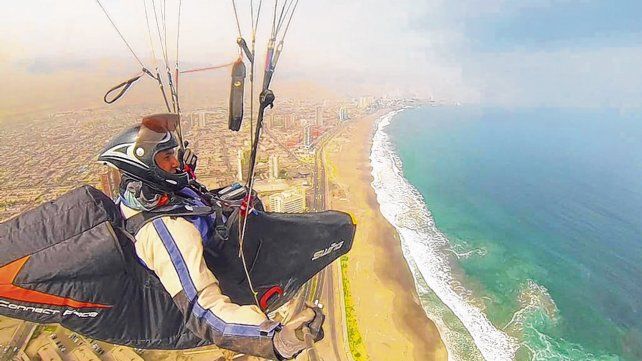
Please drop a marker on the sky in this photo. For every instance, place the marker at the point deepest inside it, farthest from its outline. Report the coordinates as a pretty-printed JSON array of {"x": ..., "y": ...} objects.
[{"x": 583, "y": 53}]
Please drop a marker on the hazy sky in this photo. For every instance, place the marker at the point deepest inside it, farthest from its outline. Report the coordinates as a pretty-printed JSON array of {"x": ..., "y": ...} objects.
[{"x": 511, "y": 52}]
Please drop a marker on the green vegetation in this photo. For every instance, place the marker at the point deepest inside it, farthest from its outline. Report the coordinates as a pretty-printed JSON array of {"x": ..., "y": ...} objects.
[
  {"x": 37, "y": 332},
  {"x": 5, "y": 204},
  {"x": 50, "y": 328},
  {"x": 357, "y": 348},
  {"x": 314, "y": 283}
]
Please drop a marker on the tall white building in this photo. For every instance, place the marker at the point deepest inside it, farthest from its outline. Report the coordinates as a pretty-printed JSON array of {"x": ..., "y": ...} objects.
[
  {"x": 307, "y": 137},
  {"x": 365, "y": 102},
  {"x": 319, "y": 117},
  {"x": 274, "y": 166},
  {"x": 239, "y": 165},
  {"x": 291, "y": 201},
  {"x": 289, "y": 121},
  {"x": 343, "y": 114}
]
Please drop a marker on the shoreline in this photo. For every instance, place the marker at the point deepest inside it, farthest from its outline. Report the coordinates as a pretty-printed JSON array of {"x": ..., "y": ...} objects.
[
  {"x": 468, "y": 331},
  {"x": 389, "y": 314}
]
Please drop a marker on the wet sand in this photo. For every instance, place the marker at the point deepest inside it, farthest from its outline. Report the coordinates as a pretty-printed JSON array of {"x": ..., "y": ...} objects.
[{"x": 390, "y": 319}]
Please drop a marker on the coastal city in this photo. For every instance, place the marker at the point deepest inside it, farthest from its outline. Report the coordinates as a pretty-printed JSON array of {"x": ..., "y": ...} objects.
[
  {"x": 249, "y": 180},
  {"x": 58, "y": 153}
]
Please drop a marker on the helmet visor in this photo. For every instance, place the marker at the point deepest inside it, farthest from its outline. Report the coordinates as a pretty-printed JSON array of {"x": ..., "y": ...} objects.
[
  {"x": 161, "y": 123},
  {"x": 157, "y": 129}
]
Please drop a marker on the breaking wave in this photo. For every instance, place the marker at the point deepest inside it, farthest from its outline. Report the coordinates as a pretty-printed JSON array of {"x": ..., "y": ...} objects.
[{"x": 429, "y": 253}]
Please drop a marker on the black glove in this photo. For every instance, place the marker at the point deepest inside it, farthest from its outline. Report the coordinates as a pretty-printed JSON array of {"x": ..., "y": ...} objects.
[{"x": 290, "y": 340}]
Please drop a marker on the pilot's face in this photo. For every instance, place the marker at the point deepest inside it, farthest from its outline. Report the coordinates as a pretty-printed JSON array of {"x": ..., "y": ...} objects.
[{"x": 167, "y": 161}]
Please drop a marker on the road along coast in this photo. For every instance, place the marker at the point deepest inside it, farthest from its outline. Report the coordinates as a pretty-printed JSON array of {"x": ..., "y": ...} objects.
[{"x": 389, "y": 318}]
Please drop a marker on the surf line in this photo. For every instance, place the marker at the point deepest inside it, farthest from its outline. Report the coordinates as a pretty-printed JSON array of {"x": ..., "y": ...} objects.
[{"x": 425, "y": 242}]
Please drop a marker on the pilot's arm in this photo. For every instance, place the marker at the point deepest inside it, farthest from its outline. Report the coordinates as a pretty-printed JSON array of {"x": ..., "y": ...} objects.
[{"x": 173, "y": 249}]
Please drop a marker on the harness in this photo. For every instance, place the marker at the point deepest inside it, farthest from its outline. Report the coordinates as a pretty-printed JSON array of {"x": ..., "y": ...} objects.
[{"x": 212, "y": 221}]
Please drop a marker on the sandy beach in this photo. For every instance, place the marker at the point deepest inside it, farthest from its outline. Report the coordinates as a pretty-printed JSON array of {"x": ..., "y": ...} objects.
[{"x": 390, "y": 319}]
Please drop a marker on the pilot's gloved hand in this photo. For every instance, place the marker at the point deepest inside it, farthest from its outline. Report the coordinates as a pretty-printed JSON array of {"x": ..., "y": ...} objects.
[
  {"x": 189, "y": 160},
  {"x": 290, "y": 341},
  {"x": 316, "y": 326}
]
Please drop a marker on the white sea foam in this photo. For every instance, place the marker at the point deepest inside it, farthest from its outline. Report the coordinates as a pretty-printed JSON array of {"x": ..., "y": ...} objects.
[
  {"x": 426, "y": 248},
  {"x": 533, "y": 297},
  {"x": 462, "y": 253}
]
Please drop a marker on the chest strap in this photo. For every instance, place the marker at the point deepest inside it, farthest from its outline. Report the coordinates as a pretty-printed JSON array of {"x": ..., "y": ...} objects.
[{"x": 134, "y": 223}]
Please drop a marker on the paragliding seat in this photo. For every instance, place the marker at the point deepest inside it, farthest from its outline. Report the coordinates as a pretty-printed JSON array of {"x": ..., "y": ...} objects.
[{"x": 70, "y": 261}]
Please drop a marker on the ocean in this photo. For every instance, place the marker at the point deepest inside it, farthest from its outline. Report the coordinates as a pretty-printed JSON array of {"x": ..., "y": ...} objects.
[{"x": 522, "y": 227}]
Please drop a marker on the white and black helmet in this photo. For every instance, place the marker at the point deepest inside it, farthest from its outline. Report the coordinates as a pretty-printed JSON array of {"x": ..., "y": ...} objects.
[{"x": 133, "y": 152}]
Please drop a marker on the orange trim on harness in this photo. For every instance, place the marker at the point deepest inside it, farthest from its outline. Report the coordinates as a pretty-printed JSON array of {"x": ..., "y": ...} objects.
[{"x": 8, "y": 290}]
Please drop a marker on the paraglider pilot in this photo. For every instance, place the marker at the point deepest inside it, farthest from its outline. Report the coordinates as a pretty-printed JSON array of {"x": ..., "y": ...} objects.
[{"x": 172, "y": 247}]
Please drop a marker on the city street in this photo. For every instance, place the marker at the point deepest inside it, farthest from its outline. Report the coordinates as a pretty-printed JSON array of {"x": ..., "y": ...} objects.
[{"x": 334, "y": 346}]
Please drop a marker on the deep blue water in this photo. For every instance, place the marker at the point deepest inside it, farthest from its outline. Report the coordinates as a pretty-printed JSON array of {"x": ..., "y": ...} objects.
[{"x": 553, "y": 196}]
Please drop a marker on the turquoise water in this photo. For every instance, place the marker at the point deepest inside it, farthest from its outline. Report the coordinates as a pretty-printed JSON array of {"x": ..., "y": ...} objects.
[{"x": 550, "y": 200}]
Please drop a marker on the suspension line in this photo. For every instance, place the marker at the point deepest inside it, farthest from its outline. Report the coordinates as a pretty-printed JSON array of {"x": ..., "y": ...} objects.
[
  {"x": 176, "y": 67},
  {"x": 120, "y": 34},
  {"x": 236, "y": 15},
  {"x": 163, "y": 42},
  {"x": 255, "y": 25}
]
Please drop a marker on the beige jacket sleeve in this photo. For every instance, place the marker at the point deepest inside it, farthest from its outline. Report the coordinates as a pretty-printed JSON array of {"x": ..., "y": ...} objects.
[
  {"x": 154, "y": 252},
  {"x": 172, "y": 248}
]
